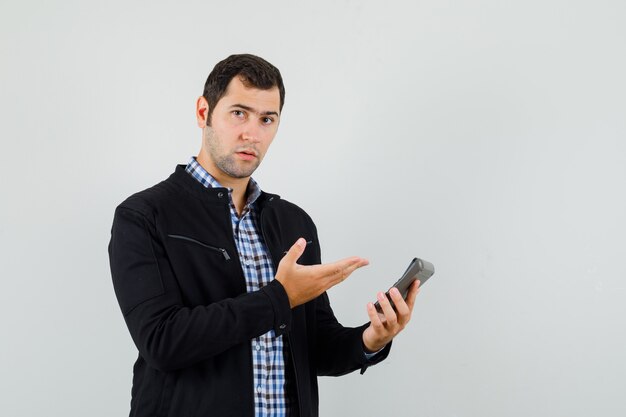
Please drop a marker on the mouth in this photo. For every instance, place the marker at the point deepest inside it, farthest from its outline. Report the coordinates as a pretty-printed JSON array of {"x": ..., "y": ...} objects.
[{"x": 247, "y": 154}]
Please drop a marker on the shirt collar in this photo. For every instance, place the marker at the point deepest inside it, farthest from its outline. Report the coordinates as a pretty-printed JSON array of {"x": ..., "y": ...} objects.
[{"x": 203, "y": 177}]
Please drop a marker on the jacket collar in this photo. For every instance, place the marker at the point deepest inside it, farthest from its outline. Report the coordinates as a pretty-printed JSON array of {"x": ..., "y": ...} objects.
[{"x": 218, "y": 195}]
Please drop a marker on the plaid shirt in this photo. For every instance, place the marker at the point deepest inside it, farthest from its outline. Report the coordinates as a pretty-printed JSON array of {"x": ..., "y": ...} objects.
[{"x": 268, "y": 361}]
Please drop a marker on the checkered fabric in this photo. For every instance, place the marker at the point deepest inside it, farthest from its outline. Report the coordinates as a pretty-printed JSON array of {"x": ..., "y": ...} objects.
[{"x": 267, "y": 350}]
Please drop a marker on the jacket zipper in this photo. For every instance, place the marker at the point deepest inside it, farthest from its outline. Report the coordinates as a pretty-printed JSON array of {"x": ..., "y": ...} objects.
[
  {"x": 223, "y": 251},
  {"x": 295, "y": 375},
  {"x": 291, "y": 355}
]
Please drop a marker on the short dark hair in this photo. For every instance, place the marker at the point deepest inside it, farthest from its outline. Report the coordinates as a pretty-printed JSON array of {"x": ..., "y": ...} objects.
[{"x": 253, "y": 71}]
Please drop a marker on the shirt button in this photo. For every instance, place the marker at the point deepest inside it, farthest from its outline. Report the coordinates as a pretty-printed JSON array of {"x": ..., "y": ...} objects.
[
  {"x": 220, "y": 195},
  {"x": 282, "y": 326},
  {"x": 258, "y": 389},
  {"x": 258, "y": 347}
]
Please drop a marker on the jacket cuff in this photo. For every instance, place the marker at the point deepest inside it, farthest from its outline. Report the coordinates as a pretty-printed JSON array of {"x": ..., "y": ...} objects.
[
  {"x": 280, "y": 304},
  {"x": 378, "y": 356}
]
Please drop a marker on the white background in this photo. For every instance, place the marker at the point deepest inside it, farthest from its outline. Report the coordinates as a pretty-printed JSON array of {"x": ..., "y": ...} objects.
[{"x": 485, "y": 136}]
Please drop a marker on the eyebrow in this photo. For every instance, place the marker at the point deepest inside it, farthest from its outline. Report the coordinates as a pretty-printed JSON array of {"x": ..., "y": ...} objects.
[{"x": 252, "y": 110}]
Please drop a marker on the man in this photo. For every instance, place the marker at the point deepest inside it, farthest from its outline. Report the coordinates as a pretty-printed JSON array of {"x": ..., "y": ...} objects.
[{"x": 221, "y": 284}]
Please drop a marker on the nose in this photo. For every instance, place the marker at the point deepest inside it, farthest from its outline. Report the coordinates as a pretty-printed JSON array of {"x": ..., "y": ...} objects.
[{"x": 250, "y": 132}]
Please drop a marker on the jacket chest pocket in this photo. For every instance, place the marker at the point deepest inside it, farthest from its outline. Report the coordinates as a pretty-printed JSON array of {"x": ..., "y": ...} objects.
[
  {"x": 188, "y": 239},
  {"x": 205, "y": 272}
]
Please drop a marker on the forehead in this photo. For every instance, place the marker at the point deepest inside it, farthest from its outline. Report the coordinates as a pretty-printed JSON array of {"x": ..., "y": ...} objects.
[{"x": 262, "y": 101}]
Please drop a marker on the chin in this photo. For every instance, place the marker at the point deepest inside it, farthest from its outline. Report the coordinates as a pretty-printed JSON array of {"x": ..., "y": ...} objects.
[{"x": 242, "y": 174}]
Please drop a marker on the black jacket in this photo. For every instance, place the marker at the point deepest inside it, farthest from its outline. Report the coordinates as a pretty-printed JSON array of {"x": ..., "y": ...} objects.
[{"x": 182, "y": 291}]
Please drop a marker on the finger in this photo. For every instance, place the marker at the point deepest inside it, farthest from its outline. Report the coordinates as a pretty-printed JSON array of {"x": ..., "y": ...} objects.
[
  {"x": 295, "y": 251},
  {"x": 375, "y": 319},
  {"x": 354, "y": 261},
  {"x": 347, "y": 271},
  {"x": 385, "y": 305},
  {"x": 341, "y": 269},
  {"x": 413, "y": 291},
  {"x": 402, "y": 309}
]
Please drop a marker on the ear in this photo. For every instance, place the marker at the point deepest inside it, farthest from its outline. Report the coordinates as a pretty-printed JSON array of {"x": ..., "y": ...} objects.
[{"x": 202, "y": 111}]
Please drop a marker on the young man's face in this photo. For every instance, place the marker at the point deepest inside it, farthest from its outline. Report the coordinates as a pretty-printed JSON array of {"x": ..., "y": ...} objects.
[{"x": 243, "y": 125}]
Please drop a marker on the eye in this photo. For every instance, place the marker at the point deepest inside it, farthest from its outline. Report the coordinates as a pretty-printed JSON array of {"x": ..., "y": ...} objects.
[
  {"x": 238, "y": 113},
  {"x": 267, "y": 120}
]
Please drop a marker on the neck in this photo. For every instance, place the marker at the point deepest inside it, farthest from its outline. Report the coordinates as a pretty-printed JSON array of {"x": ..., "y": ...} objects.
[
  {"x": 238, "y": 185},
  {"x": 240, "y": 188}
]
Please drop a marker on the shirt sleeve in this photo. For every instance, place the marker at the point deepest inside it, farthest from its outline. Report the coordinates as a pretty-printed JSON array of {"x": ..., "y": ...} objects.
[{"x": 369, "y": 356}]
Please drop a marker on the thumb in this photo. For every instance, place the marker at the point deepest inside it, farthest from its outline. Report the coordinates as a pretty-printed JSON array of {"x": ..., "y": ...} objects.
[{"x": 295, "y": 252}]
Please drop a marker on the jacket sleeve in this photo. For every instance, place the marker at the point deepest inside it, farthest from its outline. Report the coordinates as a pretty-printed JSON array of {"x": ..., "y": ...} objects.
[
  {"x": 169, "y": 335},
  {"x": 340, "y": 349}
]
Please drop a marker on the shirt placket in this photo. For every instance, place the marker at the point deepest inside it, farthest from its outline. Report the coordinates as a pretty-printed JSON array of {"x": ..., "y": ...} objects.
[{"x": 261, "y": 344}]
